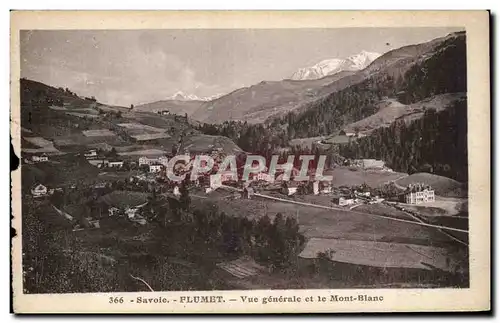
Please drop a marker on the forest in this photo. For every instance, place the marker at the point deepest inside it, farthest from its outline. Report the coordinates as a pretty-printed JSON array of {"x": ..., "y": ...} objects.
[
  {"x": 184, "y": 244},
  {"x": 437, "y": 143}
]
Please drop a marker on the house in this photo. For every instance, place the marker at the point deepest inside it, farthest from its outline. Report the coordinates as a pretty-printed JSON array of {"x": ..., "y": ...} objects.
[
  {"x": 131, "y": 212},
  {"x": 416, "y": 194},
  {"x": 315, "y": 187},
  {"x": 39, "y": 190},
  {"x": 343, "y": 201},
  {"x": 228, "y": 176},
  {"x": 100, "y": 163},
  {"x": 155, "y": 168},
  {"x": 289, "y": 187},
  {"x": 248, "y": 192},
  {"x": 215, "y": 181},
  {"x": 177, "y": 191},
  {"x": 100, "y": 185},
  {"x": 115, "y": 164},
  {"x": 114, "y": 211},
  {"x": 40, "y": 158},
  {"x": 144, "y": 161},
  {"x": 264, "y": 177},
  {"x": 91, "y": 154},
  {"x": 325, "y": 187}
]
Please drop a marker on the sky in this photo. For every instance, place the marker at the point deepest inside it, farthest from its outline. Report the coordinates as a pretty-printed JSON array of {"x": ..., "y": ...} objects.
[{"x": 123, "y": 67}]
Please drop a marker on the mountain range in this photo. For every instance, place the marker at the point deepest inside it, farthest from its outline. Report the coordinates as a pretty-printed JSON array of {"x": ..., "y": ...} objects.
[
  {"x": 181, "y": 96},
  {"x": 333, "y": 66}
]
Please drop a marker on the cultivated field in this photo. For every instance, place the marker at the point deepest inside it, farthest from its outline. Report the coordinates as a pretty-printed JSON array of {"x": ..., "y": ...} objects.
[
  {"x": 151, "y": 136},
  {"x": 124, "y": 199},
  {"x": 144, "y": 152},
  {"x": 139, "y": 126},
  {"x": 45, "y": 146},
  {"x": 82, "y": 115},
  {"x": 343, "y": 176},
  {"x": 382, "y": 254},
  {"x": 98, "y": 133},
  {"x": 329, "y": 224},
  {"x": 206, "y": 143},
  {"x": 39, "y": 141}
]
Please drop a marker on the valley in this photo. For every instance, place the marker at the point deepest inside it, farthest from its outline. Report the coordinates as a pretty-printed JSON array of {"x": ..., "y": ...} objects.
[{"x": 103, "y": 211}]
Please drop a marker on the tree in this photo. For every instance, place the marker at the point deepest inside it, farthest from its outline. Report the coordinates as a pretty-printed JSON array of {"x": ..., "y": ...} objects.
[{"x": 184, "y": 199}]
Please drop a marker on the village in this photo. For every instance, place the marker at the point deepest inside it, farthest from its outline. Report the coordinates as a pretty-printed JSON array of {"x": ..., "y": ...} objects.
[{"x": 148, "y": 175}]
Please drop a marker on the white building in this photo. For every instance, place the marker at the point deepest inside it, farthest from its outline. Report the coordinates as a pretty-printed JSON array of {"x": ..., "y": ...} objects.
[
  {"x": 91, "y": 154},
  {"x": 39, "y": 190},
  {"x": 177, "y": 191},
  {"x": 423, "y": 196},
  {"x": 289, "y": 188},
  {"x": 155, "y": 168},
  {"x": 215, "y": 181},
  {"x": 343, "y": 201},
  {"x": 264, "y": 177},
  {"x": 114, "y": 211},
  {"x": 99, "y": 162},
  {"x": 117, "y": 164},
  {"x": 40, "y": 159},
  {"x": 150, "y": 161}
]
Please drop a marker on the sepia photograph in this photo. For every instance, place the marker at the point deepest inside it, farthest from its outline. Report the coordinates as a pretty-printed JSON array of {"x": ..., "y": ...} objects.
[{"x": 201, "y": 160}]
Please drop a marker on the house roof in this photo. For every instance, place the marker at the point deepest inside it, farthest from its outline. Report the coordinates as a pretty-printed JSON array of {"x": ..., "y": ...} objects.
[{"x": 36, "y": 185}]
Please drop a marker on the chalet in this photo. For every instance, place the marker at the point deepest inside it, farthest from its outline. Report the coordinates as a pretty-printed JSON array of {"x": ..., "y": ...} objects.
[
  {"x": 91, "y": 154},
  {"x": 115, "y": 164},
  {"x": 155, "y": 168},
  {"x": 100, "y": 163},
  {"x": 145, "y": 161},
  {"x": 343, "y": 200},
  {"x": 215, "y": 181},
  {"x": 248, "y": 192},
  {"x": 39, "y": 190},
  {"x": 315, "y": 187},
  {"x": 264, "y": 177},
  {"x": 114, "y": 211},
  {"x": 131, "y": 212},
  {"x": 150, "y": 161},
  {"x": 40, "y": 158},
  {"x": 228, "y": 176},
  {"x": 325, "y": 187},
  {"x": 418, "y": 193},
  {"x": 100, "y": 185},
  {"x": 289, "y": 187}
]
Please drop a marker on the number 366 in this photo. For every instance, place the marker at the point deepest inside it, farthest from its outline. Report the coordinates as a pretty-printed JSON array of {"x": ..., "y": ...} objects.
[{"x": 115, "y": 300}]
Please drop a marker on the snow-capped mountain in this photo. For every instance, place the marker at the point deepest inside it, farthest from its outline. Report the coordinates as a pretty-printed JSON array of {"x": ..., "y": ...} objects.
[
  {"x": 336, "y": 65},
  {"x": 181, "y": 96}
]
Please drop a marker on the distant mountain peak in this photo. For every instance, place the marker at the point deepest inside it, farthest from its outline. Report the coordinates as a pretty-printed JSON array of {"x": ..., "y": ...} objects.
[
  {"x": 181, "y": 96},
  {"x": 335, "y": 65}
]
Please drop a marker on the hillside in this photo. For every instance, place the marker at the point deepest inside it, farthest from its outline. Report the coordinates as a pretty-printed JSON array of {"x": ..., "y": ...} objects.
[
  {"x": 261, "y": 101},
  {"x": 180, "y": 107},
  {"x": 443, "y": 186},
  {"x": 388, "y": 75},
  {"x": 409, "y": 74},
  {"x": 58, "y": 121},
  {"x": 390, "y": 110}
]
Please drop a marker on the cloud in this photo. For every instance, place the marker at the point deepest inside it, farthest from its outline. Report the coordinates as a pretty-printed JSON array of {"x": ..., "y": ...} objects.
[{"x": 116, "y": 71}]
